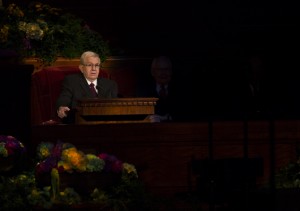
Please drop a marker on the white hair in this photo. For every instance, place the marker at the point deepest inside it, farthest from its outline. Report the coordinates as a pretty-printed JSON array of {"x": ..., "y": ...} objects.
[{"x": 88, "y": 54}]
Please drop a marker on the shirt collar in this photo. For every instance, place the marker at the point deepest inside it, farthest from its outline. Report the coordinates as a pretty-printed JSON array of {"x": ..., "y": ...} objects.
[{"x": 94, "y": 82}]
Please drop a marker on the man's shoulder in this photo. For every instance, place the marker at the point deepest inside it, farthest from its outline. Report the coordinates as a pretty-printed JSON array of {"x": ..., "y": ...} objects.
[{"x": 74, "y": 77}]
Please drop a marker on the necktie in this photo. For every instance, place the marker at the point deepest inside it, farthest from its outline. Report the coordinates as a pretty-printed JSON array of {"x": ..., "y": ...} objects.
[
  {"x": 93, "y": 90},
  {"x": 162, "y": 91}
]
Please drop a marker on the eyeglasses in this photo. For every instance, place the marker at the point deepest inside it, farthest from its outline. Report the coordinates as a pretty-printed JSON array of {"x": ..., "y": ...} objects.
[{"x": 97, "y": 66}]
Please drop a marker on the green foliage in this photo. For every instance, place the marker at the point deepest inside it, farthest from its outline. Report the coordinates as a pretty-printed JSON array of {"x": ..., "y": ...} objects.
[
  {"x": 289, "y": 176},
  {"x": 21, "y": 192},
  {"x": 14, "y": 191},
  {"x": 46, "y": 33}
]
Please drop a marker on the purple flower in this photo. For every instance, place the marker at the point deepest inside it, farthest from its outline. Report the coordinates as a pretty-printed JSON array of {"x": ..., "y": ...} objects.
[
  {"x": 112, "y": 163},
  {"x": 57, "y": 150},
  {"x": 12, "y": 145},
  {"x": 47, "y": 165}
]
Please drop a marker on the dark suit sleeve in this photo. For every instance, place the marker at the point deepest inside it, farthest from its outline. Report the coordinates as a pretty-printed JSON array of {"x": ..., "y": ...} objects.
[
  {"x": 74, "y": 87},
  {"x": 66, "y": 94}
]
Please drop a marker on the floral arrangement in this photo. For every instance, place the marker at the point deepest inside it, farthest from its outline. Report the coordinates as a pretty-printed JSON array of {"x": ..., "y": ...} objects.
[
  {"x": 56, "y": 160},
  {"x": 9, "y": 145},
  {"x": 13, "y": 155},
  {"x": 65, "y": 157},
  {"x": 45, "y": 32},
  {"x": 14, "y": 191}
]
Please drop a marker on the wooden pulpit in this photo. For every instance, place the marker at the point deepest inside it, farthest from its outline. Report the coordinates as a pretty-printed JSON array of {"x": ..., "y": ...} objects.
[{"x": 116, "y": 110}]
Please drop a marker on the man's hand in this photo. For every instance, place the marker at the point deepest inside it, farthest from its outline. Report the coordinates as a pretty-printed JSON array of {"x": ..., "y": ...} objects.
[
  {"x": 159, "y": 118},
  {"x": 62, "y": 111}
]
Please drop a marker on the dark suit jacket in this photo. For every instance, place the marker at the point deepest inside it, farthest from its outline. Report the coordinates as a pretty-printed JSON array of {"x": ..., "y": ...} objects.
[
  {"x": 75, "y": 87},
  {"x": 180, "y": 102},
  {"x": 164, "y": 105}
]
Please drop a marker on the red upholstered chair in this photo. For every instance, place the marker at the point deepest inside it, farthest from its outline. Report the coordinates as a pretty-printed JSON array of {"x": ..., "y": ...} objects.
[{"x": 45, "y": 88}]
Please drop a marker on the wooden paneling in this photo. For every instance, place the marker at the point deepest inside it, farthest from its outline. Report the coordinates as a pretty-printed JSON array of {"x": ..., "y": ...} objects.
[{"x": 162, "y": 152}]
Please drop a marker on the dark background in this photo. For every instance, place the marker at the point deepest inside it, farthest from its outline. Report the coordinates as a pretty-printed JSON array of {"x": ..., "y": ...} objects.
[
  {"x": 207, "y": 40},
  {"x": 190, "y": 27}
]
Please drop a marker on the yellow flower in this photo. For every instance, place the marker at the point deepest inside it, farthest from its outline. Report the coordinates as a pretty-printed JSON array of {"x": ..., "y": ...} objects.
[
  {"x": 33, "y": 31},
  {"x": 44, "y": 152},
  {"x": 4, "y": 33},
  {"x": 67, "y": 167},
  {"x": 3, "y": 150},
  {"x": 129, "y": 168},
  {"x": 75, "y": 158},
  {"x": 14, "y": 10}
]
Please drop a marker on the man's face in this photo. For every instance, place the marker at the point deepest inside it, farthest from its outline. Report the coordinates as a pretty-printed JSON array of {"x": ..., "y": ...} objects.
[
  {"x": 91, "y": 68},
  {"x": 162, "y": 74}
]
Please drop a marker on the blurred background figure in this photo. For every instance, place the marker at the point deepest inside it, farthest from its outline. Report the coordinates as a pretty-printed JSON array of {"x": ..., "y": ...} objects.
[
  {"x": 161, "y": 87},
  {"x": 254, "y": 90}
]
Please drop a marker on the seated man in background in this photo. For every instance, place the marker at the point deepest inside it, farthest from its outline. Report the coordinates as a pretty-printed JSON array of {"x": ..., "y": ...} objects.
[
  {"x": 85, "y": 84},
  {"x": 160, "y": 87}
]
